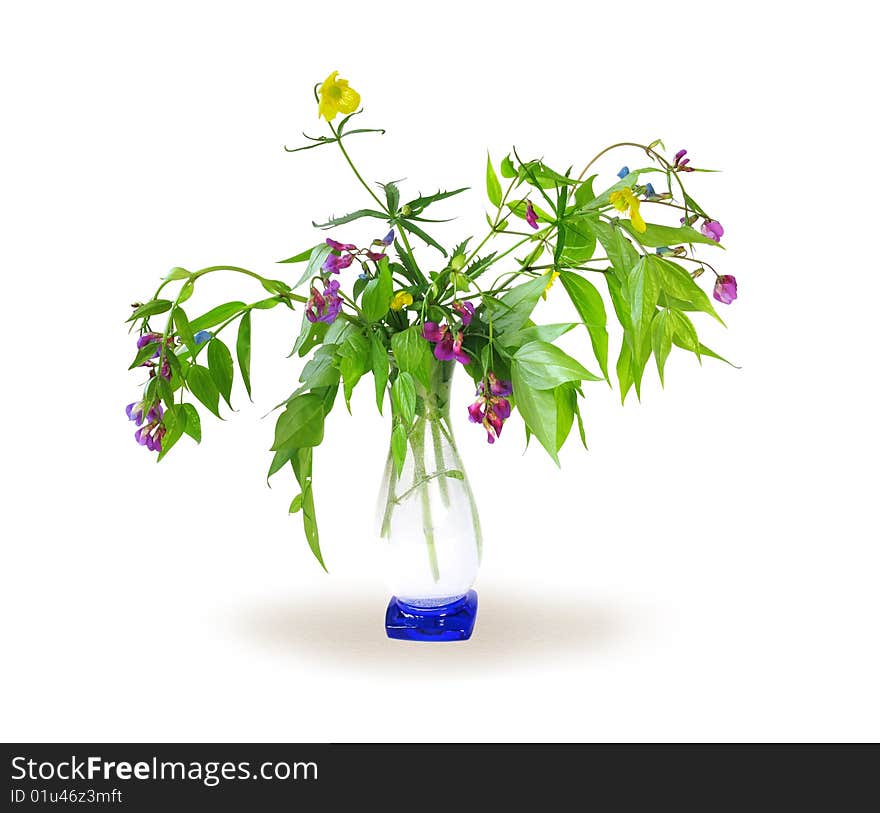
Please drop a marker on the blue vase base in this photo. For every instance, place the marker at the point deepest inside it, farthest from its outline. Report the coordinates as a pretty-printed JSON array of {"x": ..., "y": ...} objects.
[{"x": 446, "y": 622}]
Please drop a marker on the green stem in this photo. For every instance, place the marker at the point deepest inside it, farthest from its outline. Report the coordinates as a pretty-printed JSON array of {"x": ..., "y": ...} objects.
[
  {"x": 417, "y": 443},
  {"x": 440, "y": 463}
]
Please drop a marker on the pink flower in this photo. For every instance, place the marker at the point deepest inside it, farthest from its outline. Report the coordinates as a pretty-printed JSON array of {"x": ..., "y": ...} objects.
[
  {"x": 531, "y": 217},
  {"x": 491, "y": 410},
  {"x": 713, "y": 229},
  {"x": 725, "y": 289},
  {"x": 337, "y": 246},
  {"x": 432, "y": 331},
  {"x": 446, "y": 346},
  {"x": 465, "y": 310}
]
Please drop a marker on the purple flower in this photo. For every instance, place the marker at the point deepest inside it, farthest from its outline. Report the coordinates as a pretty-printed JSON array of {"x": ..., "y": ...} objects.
[
  {"x": 713, "y": 229},
  {"x": 679, "y": 155},
  {"x": 135, "y": 412},
  {"x": 446, "y": 346},
  {"x": 151, "y": 433},
  {"x": 149, "y": 338},
  {"x": 449, "y": 348},
  {"x": 501, "y": 407},
  {"x": 465, "y": 310},
  {"x": 388, "y": 239},
  {"x": 476, "y": 411},
  {"x": 725, "y": 289},
  {"x": 324, "y": 307},
  {"x": 432, "y": 331},
  {"x": 531, "y": 217},
  {"x": 375, "y": 256},
  {"x": 337, "y": 246},
  {"x": 335, "y": 263},
  {"x": 624, "y": 171},
  {"x": 491, "y": 410},
  {"x": 499, "y": 387}
]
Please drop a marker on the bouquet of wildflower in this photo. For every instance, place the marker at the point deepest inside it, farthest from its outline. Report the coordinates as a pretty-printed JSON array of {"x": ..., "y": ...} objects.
[{"x": 405, "y": 316}]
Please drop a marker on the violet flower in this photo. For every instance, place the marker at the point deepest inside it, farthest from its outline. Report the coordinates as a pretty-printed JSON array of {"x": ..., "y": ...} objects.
[
  {"x": 491, "y": 410},
  {"x": 151, "y": 433},
  {"x": 465, "y": 310},
  {"x": 499, "y": 387},
  {"x": 149, "y": 338},
  {"x": 335, "y": 263},
  {"x": 531, "y": 217},
  {"x": 447, "y": 347},
  {"x": 324, "y": 307},
  {"x": 713, "y": 229},
  {"x": 388, "y": 239},
  {"x": 725, "y": 289},
  {"x": 337, "y": 246}
]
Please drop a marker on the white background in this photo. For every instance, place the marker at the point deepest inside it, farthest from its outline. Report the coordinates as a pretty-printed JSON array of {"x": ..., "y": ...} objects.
[{"x": 707, "y": 571}]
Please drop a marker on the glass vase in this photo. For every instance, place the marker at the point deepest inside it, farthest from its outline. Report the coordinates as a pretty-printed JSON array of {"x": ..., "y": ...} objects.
[{"x": 428, "y": 526}]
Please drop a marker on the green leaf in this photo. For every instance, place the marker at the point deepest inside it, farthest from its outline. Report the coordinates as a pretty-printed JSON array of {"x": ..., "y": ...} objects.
[
  {"x": 580, "y": 240},
  {"x": 193, "y": 423},
  {"x": 676, "y": 283},
  {"x": 413, "y": 229},
  {"x": 643, "y": 290},
  {"x": 619, "y": 249},
  {"x": 181, "y": 323},
  {"x": 507, "y": 168},
  {"x": 174, "y": 420},
  {"x": 378, "y": 293},
  {"x": 150, "y": 308},
  {"x": 302, "y": 256},
  {"x": 624, "y": 371},
  {"x": 392, "y": 197},
  {"x": 220, "y": 366},
  {"x": 216, "y": 315},
  {"x": 580, "y": 421},
  {"x": 146, "y": 352},
  {"x": 422, "y": 202},
  {"x": 413, "y": 354},
  {"x": 339, "y": 221},
  {"x": 353, "y": 360},
  {"x": 543, "y": 366},
  {"x": 295, "y": 504},
  {"x": 316, "y": 260},
  {"x": 588, "y": 303},
  {"x": 655, "y": 235},
  {"x": 201, "y": 384},
  {"x": 398, "y": 447},
  {"x": 566, "y": 399},
  {"x": 321, "y": 370},
  {"x": 301, "y": 461},
  {"x": 310, "y": 335},
  {"x": 403, "y": 398},
  {"x": 511, "y": 311},
  {"x": 176, "y": 273},
  {"x": 243, "y": 350},
  {"x": 186, "y": 291},
  {"x": 518, "y": 208},
  {"x": 531, "y": 333},
  {"x": 661, "y": 340},
  {"x": 584, "y": 192},
  {"x": 301, "y": 424},
  {"x": 538, "y": 410},
  {"x": 380, "y": 362},
  {"x": 493, "y": 185}
]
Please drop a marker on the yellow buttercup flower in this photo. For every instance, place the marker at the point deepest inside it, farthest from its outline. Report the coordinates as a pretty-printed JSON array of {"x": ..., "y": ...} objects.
[
  {"x": 337, "y": 97},
  {"x": 549, "y": 284},
  {"x": 400, "y": 300},
  {"x": 624, "y": 199}
]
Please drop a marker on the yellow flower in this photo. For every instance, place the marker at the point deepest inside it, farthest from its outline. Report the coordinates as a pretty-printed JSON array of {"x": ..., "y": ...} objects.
[
  {"x": 400, "y": 300},
  {"x": 549, "y": 284},
  {"x": 624, "y": 199},
  {"x": 337, "y": 97}
]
